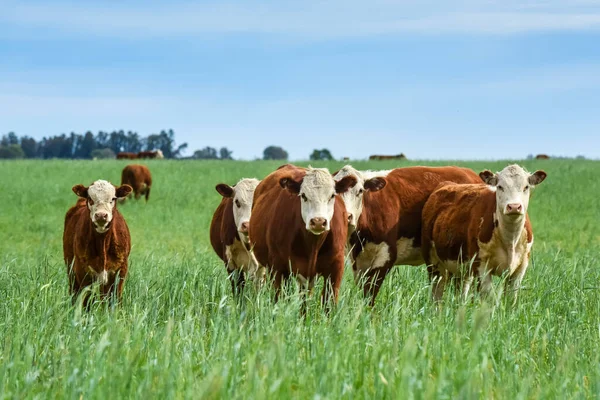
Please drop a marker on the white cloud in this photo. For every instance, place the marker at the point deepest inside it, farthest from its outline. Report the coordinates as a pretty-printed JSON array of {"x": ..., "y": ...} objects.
[{"x": 311, "y": 19}]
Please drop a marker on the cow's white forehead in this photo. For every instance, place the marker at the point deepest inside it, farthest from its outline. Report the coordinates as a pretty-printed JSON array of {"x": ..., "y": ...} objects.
[
  {"x": 244, "y": 189},
  {"x": 361, "y": 176},
  {"x": 101, "y": 191},
  {"x": 513, "y": 172},
  {"x": 317, "y": 180}
]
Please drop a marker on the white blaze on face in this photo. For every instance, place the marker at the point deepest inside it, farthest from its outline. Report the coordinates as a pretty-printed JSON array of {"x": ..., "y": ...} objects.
[
  {"x": 159, "y": 154},
  {"x": 353, "y": 198},
  {"x": 317, "y": 192},
  {"x": 243, "y": 194},
  {"x": 513, "y": 187},
  {"x": 101, "y": 203}
]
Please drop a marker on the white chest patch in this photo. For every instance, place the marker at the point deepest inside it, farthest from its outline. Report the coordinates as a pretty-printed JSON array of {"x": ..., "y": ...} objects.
[
  {"x": 372, "y": 256},
  {"x": 500, "y": 258},
  {"x": 407, "y": 254},
  {"x": 238, "y": 257}
]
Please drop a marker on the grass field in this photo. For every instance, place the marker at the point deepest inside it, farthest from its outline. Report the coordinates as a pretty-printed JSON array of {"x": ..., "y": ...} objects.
[{"x": 179, "y": 333}]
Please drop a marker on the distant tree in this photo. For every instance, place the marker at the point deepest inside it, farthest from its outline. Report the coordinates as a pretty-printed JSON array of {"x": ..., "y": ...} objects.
[
  {"x": 274, "y": 153},
  {"x": 165, "y": 141},
  {"x": 207, "y": 153},
  {"x": 29, "y": 146},
  {"x": 87, "y": 144},
  {"x": 102, "y": 153},
  {"x": 12, "y": 151},
  {"x": 323, "y": 154},
  {"x": 580, "y": 157},
  {"x": 225, "y": 154}
]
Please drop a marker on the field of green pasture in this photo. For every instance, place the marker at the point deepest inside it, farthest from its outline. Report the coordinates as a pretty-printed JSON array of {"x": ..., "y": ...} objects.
[{"x": 179, "y": 334}]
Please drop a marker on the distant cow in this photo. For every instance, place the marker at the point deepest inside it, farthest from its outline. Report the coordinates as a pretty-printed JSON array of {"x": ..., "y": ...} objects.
[
  {"x": 150, "y": 154},
  {"x": 484, "y": 228},
  {"x": 542, "y": 157},
  {"x": 139, "y": 178},
  {"x": 385, "y": 225},
  {"x": 96, "y": 241},
  {"x": 400, "y": 156},
  {"x": 299, "y": 226},
  {"x": 229, "y": 231},
  {"x": 124, "y": 155}
]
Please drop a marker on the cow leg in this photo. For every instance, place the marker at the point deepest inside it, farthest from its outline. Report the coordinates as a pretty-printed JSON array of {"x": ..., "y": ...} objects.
[
  {"x": 147, "y": 194},
  {"x": 438, "y": 283},
  {"x": 485, "y": 279},
  {"x": 137, "y": 194},
  {"x": 331, "y": 288},
  {"x": 238, "y": 281},
  {"x": 373, "y": 281},
  {"x": 513, "y": 283},
  {"x": 277, "y": 282}
]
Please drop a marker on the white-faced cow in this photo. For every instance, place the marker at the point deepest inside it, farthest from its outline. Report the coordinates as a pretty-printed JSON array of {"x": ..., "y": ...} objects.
[
  {"x": 299, "y": 226},
  {"x": 96, "y": 241},
  {"x": 388, "y": 226},
  {"x": 476, "y": 231},
  {"x": 229, "y": 232}
]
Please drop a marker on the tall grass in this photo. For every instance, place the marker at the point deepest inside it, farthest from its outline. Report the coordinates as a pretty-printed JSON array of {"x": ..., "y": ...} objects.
[{"x": 179, "y": 334}]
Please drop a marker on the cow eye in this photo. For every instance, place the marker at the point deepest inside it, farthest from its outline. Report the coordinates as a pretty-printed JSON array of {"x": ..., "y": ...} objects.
[
  {"x": 304, "y": 197},
  {"x": 91, "y": 202},
  {"x": 526, "y": 188},
  {"x": 500, "y": 188},
  {"x": 332, "y": 196},
  {"x": 237, "y": 203},
  {"x": 361, "y": 191},
  {"x": 114, "y": 199}
]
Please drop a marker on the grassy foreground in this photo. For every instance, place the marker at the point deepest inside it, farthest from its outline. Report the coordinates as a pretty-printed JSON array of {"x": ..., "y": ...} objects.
[{"x": 179, "y": 334}]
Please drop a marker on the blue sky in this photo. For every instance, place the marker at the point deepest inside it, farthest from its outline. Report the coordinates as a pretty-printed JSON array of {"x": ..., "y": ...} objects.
[{"x": 432, "y": 79}]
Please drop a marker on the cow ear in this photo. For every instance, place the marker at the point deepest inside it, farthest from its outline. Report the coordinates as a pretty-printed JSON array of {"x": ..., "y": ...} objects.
[
  {"x": 224, "y": 190},
  {"x": 537, "y": 177},
  {"x": 344, "y": 184},
  {"x": 375, "y": 184},
  {"x": 80, "y": 191},
  {"x": 290, "y": 184},
  {"x": 488, "y": 177},
  {"x": 123, "y": 191}
]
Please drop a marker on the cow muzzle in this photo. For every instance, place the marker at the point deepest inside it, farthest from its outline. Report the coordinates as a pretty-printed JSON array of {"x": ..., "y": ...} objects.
[
  {"x": 513, "y": 209},
  {"x": 318, "y": 225}
]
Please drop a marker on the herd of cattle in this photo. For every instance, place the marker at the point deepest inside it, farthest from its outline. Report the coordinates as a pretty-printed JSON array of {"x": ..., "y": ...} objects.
[{"x": 304, "y": 222}]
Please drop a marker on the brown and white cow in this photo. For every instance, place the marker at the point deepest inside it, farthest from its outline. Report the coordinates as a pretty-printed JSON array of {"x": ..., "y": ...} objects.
[
  {"x": 124, "y": 155},
  {"x": 388, "y": 222},
  {"x": 139, "y": 178},
  {"x": 150, "y": 154},
  {"x": 96, "y": 240},
  {"x": 229, "y": 232},
  {"x": 299, "y": 226},
  {"x": 482, "y": 228}
]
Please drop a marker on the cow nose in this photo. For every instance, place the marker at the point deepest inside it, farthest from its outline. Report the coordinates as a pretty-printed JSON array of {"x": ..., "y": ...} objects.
[
  {"x": 244, "y": 227},
  {"x": 514, "y": 208},
  {"x": 101, "y": 217},
  {"x": 318, "y": 224}
]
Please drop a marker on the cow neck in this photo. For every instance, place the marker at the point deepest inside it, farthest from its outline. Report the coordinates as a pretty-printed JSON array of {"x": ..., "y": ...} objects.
[
  {"x": 313, "y": 243},
  {"x": 101, "y": 241},
  {"x": 510, "y": 229}
]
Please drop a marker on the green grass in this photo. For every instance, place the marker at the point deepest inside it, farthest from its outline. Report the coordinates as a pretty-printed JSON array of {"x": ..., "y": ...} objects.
[{"x": 179, "y": 333}]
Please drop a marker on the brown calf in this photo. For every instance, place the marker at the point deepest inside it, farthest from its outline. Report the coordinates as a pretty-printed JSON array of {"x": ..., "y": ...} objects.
[
  {"x": 299, "y": 226},
  {"x": 476, "y": 231},
  {"x": 139, "y": 178},
  {"x": 96, "y": 241}
]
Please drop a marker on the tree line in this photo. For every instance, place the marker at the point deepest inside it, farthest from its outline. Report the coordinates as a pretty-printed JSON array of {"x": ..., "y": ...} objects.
[{"x": 89, "y": 145}]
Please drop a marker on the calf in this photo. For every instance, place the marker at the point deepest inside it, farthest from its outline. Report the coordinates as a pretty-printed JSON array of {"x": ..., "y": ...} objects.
[
  {"x": 387, "y": 228},
  {"x": 139, "y": 178},
  {"x": 483, "y": 227},
  {"x": 96, "y": 241},
  {"x": 299, "y": 226},
  {"x": 229, "y": 232}
]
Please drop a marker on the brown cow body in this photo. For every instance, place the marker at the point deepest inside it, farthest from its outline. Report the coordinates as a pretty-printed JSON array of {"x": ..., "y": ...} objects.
[
  {"x": 91, "y": 256},
  {"x": 150, "y": 154},
  {"x": 388, "y": 230},
  {"x": 281, "y": 241},
  {"x": 139, "y": 178},
  {"x": 126, "y": 156},
  {"x": 542, "y": 157},
  {"x": 379, "y": 157},
  {"x": 475, "y": 227}
]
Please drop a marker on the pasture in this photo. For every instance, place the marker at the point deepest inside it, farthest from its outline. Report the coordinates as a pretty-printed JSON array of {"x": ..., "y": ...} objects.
[{"x": 179, "y": 334}]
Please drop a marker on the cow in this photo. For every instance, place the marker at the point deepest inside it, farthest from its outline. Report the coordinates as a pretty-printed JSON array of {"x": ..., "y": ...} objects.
[
  {"x": 479, "y": 230},
  {"x": 229, "y": 232},
  {"x": 139, "y": 178},
  {"x": 96, "y": 240},
  {"x": 150, "y": 154},
  {"x": 299, "y": 226},
  {"x": 124, "y": 155},
  {"x": 542, "y": 157},
  {"x": 385, "y": 225},
  {"x": 379, "y": 157}
]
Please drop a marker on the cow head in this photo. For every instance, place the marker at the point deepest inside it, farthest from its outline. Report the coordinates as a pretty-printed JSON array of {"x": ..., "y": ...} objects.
[
  {"x": 101, "y": 199},
  {"x": 366, "y": 181},
  {"x": 159, "y": 154},
  {"x": 242, "y": 195},
  {"x": 317, "y": 190},
  {"x": 513, "y": 186}
]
